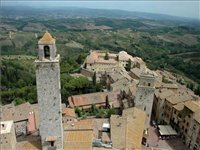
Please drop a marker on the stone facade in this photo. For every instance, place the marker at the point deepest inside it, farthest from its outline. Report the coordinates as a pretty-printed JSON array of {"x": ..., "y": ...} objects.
[
  {"x": 145, "y": 95},
  {"x": 7, "y": 136},
  {"x": 96, "y": 61},
  {"x": 49, "y": 95},
  {"x": 193, "y": 137}
]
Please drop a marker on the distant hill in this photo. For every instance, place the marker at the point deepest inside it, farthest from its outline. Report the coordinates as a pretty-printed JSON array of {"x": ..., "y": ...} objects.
[{"x": 73, "y": 12}]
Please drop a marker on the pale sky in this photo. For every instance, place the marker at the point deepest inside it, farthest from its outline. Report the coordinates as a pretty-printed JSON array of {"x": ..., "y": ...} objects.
[{"x": 181, "y": 8}]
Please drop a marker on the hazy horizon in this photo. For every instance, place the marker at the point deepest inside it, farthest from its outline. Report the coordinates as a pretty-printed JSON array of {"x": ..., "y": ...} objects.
[{"x": 189, "y": 9}]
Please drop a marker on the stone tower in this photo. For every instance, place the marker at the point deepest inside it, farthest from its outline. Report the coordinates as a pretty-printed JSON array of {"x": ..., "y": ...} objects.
[
  {"x": 145, "y": 94},
  {"x": 48, "y": 92}
]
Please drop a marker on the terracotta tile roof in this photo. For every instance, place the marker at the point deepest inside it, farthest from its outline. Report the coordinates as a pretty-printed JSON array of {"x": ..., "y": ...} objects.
[
  {"x": 16, "y": 113},
  {"x": 136, "y": 71},
  {"x": 51, "y": 138},
  {"x": 120, "y": 84},
  {"x": 133, "y": 88},
  {"x": 179, "y": 106},
  {"x": 124, "y": 56},
  {"x": 127, "y": 130},
  {"x": 180, "y": 97},
  {"x": 163, "y": 93},
  {"x": 197, "y": 116},
  {"x": 92, "y": 98},
  {"x": 192, "y": 105},
  {"x": 79, "y": 125},
  {"x": 115, "y": 76},
  {"x": 32, "y": 143},
  {"x": 78, "y": 135},
  {"x": 166, "y": 85},
  {"x": 70, "y": 112},
  {"x": 78, "y": 140},
  {"x": 47, "y": 39},
  {"x": 97, "y": 56}
]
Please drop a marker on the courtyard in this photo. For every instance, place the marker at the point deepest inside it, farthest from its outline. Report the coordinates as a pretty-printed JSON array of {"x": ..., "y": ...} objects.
[{"x": 159, "y": 144}]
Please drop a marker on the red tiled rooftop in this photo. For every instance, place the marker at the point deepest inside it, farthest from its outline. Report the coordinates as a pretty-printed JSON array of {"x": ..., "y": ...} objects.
[
  {"x": 70, "y": 112},
  {"x": 93, "y": 98}
]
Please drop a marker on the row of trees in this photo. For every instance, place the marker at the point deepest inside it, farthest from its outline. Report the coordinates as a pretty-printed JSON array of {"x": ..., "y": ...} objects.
[{"x": 100, "y": 112}]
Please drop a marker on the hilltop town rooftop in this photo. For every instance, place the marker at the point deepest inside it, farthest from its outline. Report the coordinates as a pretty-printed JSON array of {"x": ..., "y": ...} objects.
[
  {"x": 131, "y": 97},
  {"x": 97, "y": 60}
]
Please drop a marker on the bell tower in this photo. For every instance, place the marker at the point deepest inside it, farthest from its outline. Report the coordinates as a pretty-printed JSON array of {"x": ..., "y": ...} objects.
[{"x": 49, "y": 93}]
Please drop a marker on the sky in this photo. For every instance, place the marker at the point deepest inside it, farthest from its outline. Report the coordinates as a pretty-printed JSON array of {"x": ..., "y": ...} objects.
[{"x": 180, "y": 8}]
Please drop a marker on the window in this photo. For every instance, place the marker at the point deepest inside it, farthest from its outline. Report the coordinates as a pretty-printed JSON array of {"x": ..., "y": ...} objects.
[
  {"x": 52, "y": 143},
  {"x": 46, "y": 51},
  {"x": 185, "y": 130},
  {"x": 149, "y": 84},
  {"x": 187, "y": 123},
  {"x": 175, "y": 112},
  {"x": 145, "y": 108},
  {"x": 194, "y": 127}
]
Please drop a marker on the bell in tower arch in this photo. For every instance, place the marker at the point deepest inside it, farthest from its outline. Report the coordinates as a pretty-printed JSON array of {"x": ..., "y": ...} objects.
[
  {"x": 46, "y": 51},
  {"x": 47, "y": 47}
]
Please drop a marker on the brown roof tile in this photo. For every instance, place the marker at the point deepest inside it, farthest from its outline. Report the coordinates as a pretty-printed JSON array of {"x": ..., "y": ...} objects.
[
  {"x": 92, "y": 98},
  {"x": 70, "y": 112},
  {"x": 179, "y": 106},
  {"x": 192, "y": 105},
  {"x": 197, "y": 116},
  {"x": 47, "y": 39},
  {"x": 127, "y": 130},
  {"x": 78, "y": 135}
]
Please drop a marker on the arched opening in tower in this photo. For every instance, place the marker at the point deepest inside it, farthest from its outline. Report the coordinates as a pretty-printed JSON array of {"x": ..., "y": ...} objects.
[{"x": 46, "y": 51}]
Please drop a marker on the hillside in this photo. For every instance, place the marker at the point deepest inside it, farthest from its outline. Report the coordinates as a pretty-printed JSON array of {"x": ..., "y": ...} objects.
[{"x": 171, "y": 45}]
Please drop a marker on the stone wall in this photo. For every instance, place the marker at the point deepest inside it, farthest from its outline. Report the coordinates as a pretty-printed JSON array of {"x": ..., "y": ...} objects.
[
  {"x": 145, "y": 95},
  {"x": 8, "y": 140},
  {"x": 49, "y": 101}
]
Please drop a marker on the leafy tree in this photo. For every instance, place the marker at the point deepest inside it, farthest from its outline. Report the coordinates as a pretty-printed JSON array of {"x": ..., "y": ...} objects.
[
  {"x": 190, "y": 86},
  {"x": 94, "y": 109},
  {"x": 80, "y": 59},
  {"x": 94, "y": 78},
  {"x": 78, "y": 112},
  {"x": 101, "y": 113},
  {"x": 197, "y": 90},
  {"x": 110, "y": 112},
  {"x": 19, "y": 101}
]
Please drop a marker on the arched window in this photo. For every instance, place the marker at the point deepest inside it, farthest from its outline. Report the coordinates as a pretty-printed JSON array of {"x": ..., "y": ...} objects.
[{"x": 46, "y": 51}]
